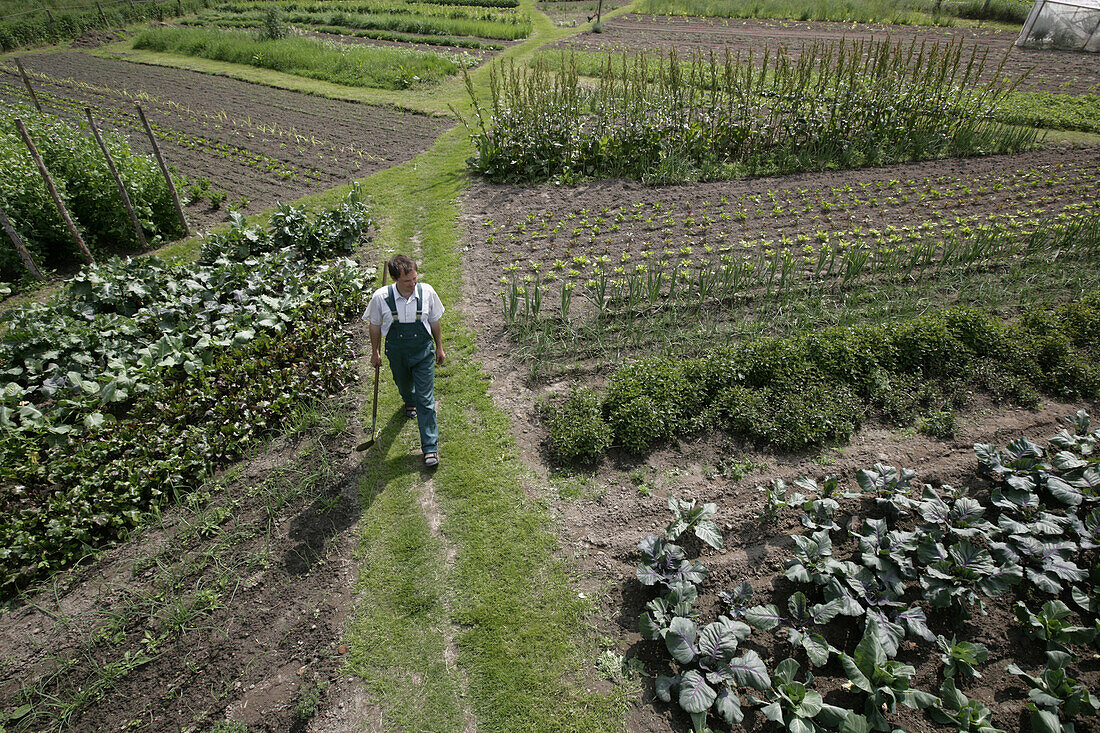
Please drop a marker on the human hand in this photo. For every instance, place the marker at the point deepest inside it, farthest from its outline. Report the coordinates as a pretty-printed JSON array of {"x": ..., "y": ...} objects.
[
  {"x": 376, "y": 360},
  {"x": 440, "y": 355}
]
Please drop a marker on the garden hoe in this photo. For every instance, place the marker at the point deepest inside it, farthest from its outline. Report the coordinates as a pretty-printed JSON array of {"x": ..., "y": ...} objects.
[
  {"x": 374, "y": 410},
  {"x": 374, "y": 415}
]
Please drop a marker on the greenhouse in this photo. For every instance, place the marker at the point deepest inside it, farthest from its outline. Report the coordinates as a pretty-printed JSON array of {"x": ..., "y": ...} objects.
[{"x": 1072, "y": 25}]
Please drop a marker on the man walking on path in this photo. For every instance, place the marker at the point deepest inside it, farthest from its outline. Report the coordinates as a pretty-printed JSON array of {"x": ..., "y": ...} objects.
[{"x": 407, "y": 314}]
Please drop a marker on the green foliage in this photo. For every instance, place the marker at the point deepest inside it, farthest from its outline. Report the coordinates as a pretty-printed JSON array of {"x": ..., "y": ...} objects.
[
  {"x": 690, "y": 515},
  {"x": 1052, "y": 625},
  {"x": 954, "y": 708},
  {"x": 358, "y": 66},
  {"x": 33, "y": 25},
  {"x": 486, "y": 19},
  {"x": 908, "y": 12},
  {"x": 1054, "y": 111},
  {"x": 794, "y": 392},
  {"x": 702, "y": 118},
  {"x": 799, "y": 621},
  {"x": 885, "y": 681},
  {"x": 84, "y": 181},
  {"x": 961, "y": 657},
  {"x": 273, "y": 27},
  {"x": 776, "y": 499},
  {"x": 138, "y": 378},
  {"x": 578, "y": 431},
  {"x": 793, "y": 706},
  {"x": 1055, "y": 696}
]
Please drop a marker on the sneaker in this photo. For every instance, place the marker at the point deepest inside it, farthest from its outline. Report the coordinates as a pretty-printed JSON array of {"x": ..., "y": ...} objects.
[
  {"x": 410, "y": 411},
  {"x": 431, "y": 459}
]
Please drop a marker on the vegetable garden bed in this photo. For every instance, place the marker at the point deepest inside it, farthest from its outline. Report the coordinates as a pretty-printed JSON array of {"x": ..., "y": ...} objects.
[
  {"x": 250, "y": 145},
  {"x": 138, "y": 379},
  {"x": 1075, "y": 73}
]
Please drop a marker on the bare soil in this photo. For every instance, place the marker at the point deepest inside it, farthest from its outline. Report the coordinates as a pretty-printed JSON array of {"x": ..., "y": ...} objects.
[
  {"x": 1052, "y": 71},
  {"x": 257, "y": 144}
]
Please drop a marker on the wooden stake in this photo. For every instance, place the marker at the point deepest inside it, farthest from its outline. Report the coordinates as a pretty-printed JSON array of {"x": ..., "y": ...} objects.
[
  {"x": 164, "y": 170},
  {"x": 27, "y": 82},
  {"x": 49, "y": 15},
  {"x": 118, "y": 181},
  {"x": 24, "y": 253},
  {"x": 54, "y": 195},
  {"x": 102, "y": 15}
]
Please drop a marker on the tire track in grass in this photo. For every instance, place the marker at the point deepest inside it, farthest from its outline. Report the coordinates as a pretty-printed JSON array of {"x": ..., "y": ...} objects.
[{"x": 522, "y": 656}]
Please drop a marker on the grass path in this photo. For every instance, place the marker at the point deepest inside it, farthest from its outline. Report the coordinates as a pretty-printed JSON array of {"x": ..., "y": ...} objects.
[{"x": 467, "y": 620}]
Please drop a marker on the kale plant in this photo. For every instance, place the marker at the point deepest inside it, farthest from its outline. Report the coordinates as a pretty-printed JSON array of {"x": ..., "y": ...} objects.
[
  {"x": 954, "y": 708},
  {"x": 798, "y": 623},
  {"x": 1055, "y": 694},
  {"x": 813, "y": 560},
  {"x": 1051, "y": 624},
  {"x": 709, "y": 672},
  {"x": 886, "y": 682},
  {"x": 961, "y": 575},
  {"x": 961, "y": 657},
  {"x": 664, "y": 562},
  {"x": 888, "y": 486},
  {"x": 794, "y": 706},
  {"x": 687, "y": 515}
]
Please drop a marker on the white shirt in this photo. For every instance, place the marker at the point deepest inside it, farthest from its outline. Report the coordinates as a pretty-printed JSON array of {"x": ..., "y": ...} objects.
[{"x": 378, "y": 310}]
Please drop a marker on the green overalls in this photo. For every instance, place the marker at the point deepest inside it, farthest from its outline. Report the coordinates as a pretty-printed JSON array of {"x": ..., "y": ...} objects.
[{"x": 411, "y": 353}]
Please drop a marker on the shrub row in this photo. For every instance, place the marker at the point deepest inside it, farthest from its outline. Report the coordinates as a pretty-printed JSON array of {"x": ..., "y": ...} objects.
[
  {"x": 841, "y": 105},
  {"x": 807, "y": 390},
  {"x": 138, "y": 378},
  {"x": 84, "y": 181}
]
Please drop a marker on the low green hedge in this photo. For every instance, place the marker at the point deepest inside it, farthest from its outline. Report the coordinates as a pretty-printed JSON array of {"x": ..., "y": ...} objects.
[{"x": 811, "y": 389}]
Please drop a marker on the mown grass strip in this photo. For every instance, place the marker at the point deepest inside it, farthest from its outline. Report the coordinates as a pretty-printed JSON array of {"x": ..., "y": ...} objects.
[{"x": 510, "y": 597}]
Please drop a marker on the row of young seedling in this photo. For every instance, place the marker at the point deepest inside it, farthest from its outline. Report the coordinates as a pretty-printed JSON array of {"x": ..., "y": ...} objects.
[
  {"x": 1014, "y": 196},
  {"x": 1031, "y": 536},
  {"x": 630, "y": 288}
]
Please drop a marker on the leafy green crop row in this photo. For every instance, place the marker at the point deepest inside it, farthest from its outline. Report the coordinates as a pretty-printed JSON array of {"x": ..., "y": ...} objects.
[
  {"x": 842, "y": 105},
  {"x": 360, "y": 66},
  {"x": 913, "y": 550},
  {"x": 480, "y": 20},
  {"x": 490, "y": 25},
  {"x": 1056, "y": 111},
  {"x": 33, "y": 28},
  {"x": 83, "y": 180},
  {"x": 911, "y": 12},
  {"x": 138, "y": 377},
  {"x": 809, "y": 390}
]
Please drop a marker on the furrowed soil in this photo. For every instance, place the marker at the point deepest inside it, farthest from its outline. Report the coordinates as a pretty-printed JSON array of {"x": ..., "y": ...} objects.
[
  {"x": 257, "y": 144},
  {"x": 1049, "y": 71}
]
